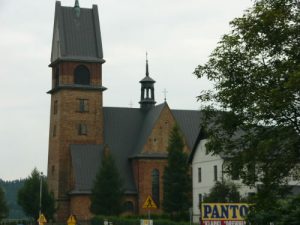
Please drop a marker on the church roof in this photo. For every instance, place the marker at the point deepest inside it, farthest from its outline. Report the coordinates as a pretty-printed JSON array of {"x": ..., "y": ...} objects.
[
  {"x": 125, "y": 132},
  {"x": 76, "y": 36},
  {"x": 85, "y": 160}
]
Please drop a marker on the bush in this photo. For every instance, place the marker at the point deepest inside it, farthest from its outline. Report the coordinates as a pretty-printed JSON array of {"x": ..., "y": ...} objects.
[{"x": 99, "y": 220}]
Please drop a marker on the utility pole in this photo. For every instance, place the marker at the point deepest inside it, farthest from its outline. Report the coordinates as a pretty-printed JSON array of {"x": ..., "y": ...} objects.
[{"x": 41, "y": 189}]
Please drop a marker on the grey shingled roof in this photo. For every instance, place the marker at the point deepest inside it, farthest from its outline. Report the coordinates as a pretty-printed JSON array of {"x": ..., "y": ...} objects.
[
  {"x": 121, "y": 129},
  {"x": 125, "y": 132},
  {"x": 76, "y": 37},
  {"x": 189, "y": 123},
  {"x": 86, "y": 160},
  {"x": 147, "y": 79}
]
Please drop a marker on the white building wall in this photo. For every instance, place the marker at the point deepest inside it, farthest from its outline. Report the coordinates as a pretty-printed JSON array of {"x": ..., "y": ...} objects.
[{"x": 207, "y": 162}]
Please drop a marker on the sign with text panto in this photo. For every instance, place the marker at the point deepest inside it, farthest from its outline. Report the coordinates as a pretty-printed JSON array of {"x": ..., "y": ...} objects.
[{"x": 224, "y": 213}]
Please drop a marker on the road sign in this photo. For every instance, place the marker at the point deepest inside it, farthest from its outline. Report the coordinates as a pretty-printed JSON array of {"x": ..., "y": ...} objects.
[
  {"x": 71, "y": 220},
  {"x": 42, "y": 219},
  {"x": 149, "y": 203}
]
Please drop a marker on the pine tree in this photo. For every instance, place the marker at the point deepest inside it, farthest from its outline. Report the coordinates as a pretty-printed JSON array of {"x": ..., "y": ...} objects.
[
  {"x": 29, "y": 196},
  {"x": 3, "y": 205},
  {"x": 176, "y": 179},
  {"x": 107, "y": 192}
]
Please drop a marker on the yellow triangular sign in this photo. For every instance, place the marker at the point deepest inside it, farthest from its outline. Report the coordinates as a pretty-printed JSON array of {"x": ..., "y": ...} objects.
[
  {"x": 149, "y": 203},
  {"x": 71, "y": 220},
  {"x": 42, "y": 219}
]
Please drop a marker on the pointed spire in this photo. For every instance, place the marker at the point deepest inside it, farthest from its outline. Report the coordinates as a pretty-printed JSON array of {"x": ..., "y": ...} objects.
[
  {"x": 77, "y": 8},
  {"x": 147, "y": 90},
  {"x": 147, "y": 67}
]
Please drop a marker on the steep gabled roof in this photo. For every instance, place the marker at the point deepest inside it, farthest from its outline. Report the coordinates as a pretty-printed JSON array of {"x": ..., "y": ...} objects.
[
  {"x": 76, "y": 37},
  {"x": 121, "y": 131},
  {"x": 189, "y": 122},
  {"x": 86, "y": 160}
]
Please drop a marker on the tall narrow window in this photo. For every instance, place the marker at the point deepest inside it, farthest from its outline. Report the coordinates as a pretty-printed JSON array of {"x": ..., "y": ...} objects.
[
  {"x": 82, "y": 75},
  {"x": 199, "y": 175},
  {"x": 155, "y": 186},
  {"x": 82, "y": 129},
  {"x": 83, "y": 105},
  {"x": 215, "y": 173}
]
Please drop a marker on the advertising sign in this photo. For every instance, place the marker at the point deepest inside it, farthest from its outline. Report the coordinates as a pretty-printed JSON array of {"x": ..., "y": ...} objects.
[{"x": 224, "y": 213}]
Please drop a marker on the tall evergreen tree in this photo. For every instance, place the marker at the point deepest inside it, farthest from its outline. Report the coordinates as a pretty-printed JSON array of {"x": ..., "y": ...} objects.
[
  {"x": 3, "y": 205},
  {"x": 176, "y": 179},
  {"x": 29, "y": 196},
  {"x": 107, "y": 192}
]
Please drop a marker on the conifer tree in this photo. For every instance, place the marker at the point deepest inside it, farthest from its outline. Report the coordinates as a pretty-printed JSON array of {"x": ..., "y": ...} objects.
[
  {"x": 3, "y": 205},
  {"x": 176, "y": 179},
  {"x": 29, "y": 196},
  {"x": 107, "y": 192}
]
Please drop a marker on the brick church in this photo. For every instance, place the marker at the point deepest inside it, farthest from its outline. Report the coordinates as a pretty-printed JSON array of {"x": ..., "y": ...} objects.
[{"x": 81, "y": 128}]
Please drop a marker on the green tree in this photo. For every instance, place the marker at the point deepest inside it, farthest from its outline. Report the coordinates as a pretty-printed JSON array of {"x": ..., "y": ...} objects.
[
  {"x": 253, "y": 113},
  {"x": 3, "y": 205},
  {"x": 29, "y": 196},
  {"x": 107, "y": 192},
  {"x": 176, "y": 178},
  {"x": 223, "y": 192},
  {"x": 287, "y": 212}
]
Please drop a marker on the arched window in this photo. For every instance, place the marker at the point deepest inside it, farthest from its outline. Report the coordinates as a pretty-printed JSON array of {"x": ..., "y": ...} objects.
[
  {"x": 155, "y": 186},
  {"x": 82, "y": 75},
  {"x": 128, "y": 207}
]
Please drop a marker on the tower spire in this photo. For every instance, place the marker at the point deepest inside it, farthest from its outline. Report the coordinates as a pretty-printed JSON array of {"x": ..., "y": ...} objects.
[
  {"x": 147, "y": 90},
  {"x": 147, "y": 67},
  {"x": 77, "y": 8}
]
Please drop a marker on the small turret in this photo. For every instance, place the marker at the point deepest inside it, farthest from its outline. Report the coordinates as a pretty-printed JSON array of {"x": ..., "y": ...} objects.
[{"x": 147, "y": 90}]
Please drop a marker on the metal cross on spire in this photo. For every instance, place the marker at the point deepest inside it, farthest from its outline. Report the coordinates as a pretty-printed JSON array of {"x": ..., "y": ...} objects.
[{"x": 165, "y": 94}]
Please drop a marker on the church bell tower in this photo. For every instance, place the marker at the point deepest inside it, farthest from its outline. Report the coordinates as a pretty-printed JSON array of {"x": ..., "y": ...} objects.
[{"x": 76, "y": 115}]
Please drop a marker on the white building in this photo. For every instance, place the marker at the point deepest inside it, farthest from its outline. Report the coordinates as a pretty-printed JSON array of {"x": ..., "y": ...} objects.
[{"x": 206, "y": 170}]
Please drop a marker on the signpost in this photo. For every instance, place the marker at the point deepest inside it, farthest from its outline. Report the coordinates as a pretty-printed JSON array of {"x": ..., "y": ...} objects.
[
  {"x": 148, "y": 204},
  {"x": 42, "y": 219},
  {"x": 71, "y": 220}
]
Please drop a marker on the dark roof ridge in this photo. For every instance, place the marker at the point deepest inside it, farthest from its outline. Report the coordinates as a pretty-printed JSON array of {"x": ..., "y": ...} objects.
[{"x": 118, "y": 107}]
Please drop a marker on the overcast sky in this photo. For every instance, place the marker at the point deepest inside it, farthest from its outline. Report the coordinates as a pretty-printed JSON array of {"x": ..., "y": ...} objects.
[{"x": 177, "y": 34}]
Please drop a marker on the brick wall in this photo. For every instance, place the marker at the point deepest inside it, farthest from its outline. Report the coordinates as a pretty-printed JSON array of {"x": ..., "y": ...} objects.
[{"x": 64, "y": 125}]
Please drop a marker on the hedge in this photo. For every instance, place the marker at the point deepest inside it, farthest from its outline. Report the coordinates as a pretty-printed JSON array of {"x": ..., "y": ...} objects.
[{"x": 99, "y": 220}]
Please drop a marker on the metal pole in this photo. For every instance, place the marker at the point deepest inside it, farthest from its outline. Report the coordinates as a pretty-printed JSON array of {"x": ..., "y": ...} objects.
[
  {"x": 41, "y": 188},
  {"x": 191, "y": 215}
]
